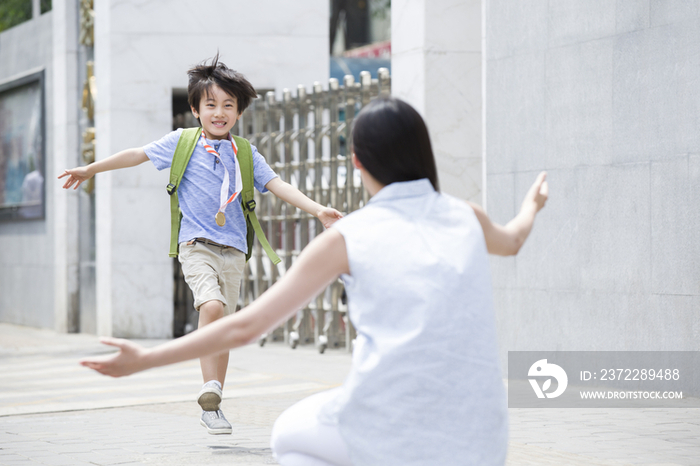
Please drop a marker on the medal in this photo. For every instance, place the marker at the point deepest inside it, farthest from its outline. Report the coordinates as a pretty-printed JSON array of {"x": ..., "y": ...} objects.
[
  {"x": 220, "y": 219},
  {"x": 224, "y": 198}
]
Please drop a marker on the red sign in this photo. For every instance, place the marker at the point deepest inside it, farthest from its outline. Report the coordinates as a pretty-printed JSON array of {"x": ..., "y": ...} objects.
[{"x": 376, "y": 50}]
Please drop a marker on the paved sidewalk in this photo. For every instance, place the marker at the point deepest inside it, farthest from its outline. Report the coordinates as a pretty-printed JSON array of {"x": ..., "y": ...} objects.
[{"x": 54, "y": 412}]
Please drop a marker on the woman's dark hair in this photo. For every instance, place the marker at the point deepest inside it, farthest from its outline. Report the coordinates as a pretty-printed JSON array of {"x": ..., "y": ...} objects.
[
  {"x": 391, "y": 141},
  {"x": 204, "y": 76}
]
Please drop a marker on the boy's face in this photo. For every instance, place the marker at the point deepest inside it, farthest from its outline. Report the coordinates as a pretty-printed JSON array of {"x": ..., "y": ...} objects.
[{"x": 217, "y": 112}]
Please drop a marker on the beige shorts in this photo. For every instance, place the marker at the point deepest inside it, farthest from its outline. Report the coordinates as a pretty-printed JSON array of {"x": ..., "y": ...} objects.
[{"x": 212, "y": 272}]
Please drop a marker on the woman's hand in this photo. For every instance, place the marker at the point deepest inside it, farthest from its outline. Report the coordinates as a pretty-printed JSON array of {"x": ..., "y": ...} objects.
[
  {"x": 129, "y": 359},
  {"x": 507, "y": 240},
  {"x": 537, "y": 194}
]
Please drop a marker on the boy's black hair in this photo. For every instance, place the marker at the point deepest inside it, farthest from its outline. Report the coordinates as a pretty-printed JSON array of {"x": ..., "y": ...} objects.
[
  {"x": 203, "y": 76},
  {"x": 391, "y": 141}
]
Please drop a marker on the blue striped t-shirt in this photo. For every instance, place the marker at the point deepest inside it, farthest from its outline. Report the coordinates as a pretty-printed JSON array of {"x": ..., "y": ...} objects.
[{"x": 200, "y": 188}]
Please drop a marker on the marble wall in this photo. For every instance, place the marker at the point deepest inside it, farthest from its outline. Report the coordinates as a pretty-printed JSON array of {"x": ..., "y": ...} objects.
[
  {"x": 605, "y": 97},
  {"x": 142, "y": 52},
  {"x": 436, "y": 65},
  {"x": 26, "y": 260},
  {"x": 66, "y": 153}
]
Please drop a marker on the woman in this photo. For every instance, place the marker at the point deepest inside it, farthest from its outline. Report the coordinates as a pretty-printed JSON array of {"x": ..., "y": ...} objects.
[{"x": 425, "y": 387}]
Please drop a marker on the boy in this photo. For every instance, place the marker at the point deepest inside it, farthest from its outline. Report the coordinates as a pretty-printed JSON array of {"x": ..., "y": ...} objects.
[{"x": 212, "y": 234}]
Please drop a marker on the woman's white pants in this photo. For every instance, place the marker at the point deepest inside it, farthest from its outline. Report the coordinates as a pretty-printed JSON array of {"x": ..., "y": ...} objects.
[{"x": 300, "y": 439}]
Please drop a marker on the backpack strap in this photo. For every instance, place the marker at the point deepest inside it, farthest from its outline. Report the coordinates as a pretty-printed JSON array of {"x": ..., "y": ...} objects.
[
  {"x": 245, "y": 159},
  {"x": 181, "y": 157}
]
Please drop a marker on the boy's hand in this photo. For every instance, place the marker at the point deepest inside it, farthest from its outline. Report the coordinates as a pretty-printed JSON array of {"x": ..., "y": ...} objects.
[
  {"x": 288, "y": 193},
  {"x": 328, "y": 216},
  {"x": 76, "y": 176},
  {"x": 125, "y": 362},
  {"x": 537, "y": 194},
  {"x": 122, "y": 159}
]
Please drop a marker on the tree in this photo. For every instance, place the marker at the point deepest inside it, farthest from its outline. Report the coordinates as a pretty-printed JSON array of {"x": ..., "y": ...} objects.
[{"x": 14, "y": 12}]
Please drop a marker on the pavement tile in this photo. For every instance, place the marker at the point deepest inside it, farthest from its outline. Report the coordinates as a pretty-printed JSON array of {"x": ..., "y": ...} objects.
[
  {"x": 530, "y": 455},
  {"x": 5, "y": 456},
  {"x": 28, "y": 445},
  {"x": 62, "y": 460},
  {"x": 111, "y": 451},
  {"x": 11, "y": 437},
  {"x": 42, "y": 450},
  {"x": 130, "y": 463},
  {"x": 152, "y": 418},
  {"x": 664, "y": 464}
]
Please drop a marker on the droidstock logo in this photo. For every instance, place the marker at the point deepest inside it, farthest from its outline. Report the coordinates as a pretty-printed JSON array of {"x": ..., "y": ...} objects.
[{"x": 543, "y": 369}]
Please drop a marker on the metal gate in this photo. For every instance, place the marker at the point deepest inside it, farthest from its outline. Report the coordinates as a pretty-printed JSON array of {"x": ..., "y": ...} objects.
[{"x": 306, "y": 139}]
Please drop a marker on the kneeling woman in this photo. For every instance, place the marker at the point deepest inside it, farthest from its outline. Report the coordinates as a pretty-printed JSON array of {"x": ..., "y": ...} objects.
[{"x": 425, "y": 386}]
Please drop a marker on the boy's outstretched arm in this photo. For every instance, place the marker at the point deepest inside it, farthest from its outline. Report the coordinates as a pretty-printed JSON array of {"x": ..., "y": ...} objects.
[
  {"x": 321, "y": 262},
  {"x": 507, "y": 240},
  {"x": 292, "y": 195},
  {"x": 124, "y": 159}
]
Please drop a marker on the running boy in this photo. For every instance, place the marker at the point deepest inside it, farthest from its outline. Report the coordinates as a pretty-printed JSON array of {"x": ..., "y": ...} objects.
[{"x": 212, "y": 251}]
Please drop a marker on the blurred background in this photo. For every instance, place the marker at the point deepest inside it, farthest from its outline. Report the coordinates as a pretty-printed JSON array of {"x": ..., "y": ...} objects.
[{"x": 604, "y": 95}]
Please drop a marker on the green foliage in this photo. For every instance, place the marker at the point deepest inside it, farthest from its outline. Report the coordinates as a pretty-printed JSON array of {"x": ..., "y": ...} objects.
[
  {"x": 45, "y": 6},
  {"x": 14, "y": 12},
  {"x": 380, "y": 8}
]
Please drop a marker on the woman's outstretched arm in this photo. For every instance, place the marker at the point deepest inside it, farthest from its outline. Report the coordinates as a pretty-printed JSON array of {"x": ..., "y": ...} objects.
[
  {"x": 507, "y": 240},
  {"x": 321, "y": 262}
]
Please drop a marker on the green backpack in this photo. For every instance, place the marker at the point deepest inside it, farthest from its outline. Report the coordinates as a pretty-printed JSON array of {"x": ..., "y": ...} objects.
[{"x": 183, "y": 152}]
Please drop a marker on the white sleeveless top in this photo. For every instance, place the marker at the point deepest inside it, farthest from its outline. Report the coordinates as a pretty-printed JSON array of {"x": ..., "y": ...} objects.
[{"x": 425, "y": 386}]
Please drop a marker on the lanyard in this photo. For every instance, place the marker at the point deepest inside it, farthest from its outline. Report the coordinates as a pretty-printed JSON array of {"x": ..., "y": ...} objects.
[{"x": 224, "y": 200}]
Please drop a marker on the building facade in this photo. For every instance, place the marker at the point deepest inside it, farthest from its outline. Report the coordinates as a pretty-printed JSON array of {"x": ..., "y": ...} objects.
[
  {"x": 603, "y": 97},
  {"x": 123, "y": 285}
]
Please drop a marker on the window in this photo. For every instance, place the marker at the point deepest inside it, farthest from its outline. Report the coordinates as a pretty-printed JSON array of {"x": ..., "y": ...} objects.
[
  {"x": 22, "y": 148},
  {"x": 13, "y": 12}
]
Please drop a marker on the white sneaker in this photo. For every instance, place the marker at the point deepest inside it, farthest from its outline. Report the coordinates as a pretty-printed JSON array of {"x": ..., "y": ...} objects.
[{"x": 215, "y": 422}]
